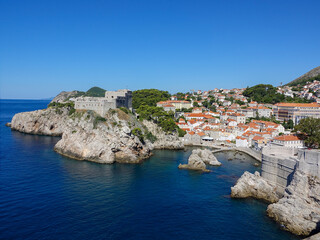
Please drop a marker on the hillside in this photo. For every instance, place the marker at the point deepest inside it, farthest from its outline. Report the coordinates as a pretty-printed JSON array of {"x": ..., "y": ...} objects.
[
  {"x": 92, "y": 92},
  {"x": 314, "y": 74}
]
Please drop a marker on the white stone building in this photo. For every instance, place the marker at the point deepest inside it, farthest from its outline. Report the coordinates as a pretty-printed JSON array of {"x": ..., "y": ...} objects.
[{"x": 101, "y": 105}]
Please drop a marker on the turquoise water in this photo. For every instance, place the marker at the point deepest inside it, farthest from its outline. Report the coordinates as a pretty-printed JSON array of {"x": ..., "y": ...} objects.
[{"x": 46, "y": 196}]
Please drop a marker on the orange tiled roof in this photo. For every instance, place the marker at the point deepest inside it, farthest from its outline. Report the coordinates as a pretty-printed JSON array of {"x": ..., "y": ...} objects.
[
  {"x": 297, "y": 105},
  {"x": 287, "y": 138},
  {"x": 256, "y": 138}
]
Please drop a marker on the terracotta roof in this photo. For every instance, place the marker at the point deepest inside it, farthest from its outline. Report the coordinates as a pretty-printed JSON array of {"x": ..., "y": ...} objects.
[
  {"x": 201, "y": 133},
  {"x": 256, "y": 138},
  {"x": 287, "y": 138},
  {"x": 298, "y": 105}
]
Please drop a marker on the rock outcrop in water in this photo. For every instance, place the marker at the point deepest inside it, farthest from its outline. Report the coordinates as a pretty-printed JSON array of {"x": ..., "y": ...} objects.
[
  {"x": 88, "y": 136},
  {"x": 253, "y": 185},
  {"x": 299, "y": 210},
  {"x": 198, "y": 160}
]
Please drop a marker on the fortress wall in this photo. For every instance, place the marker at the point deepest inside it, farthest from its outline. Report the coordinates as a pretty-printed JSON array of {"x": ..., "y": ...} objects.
[
  {"x": 309, "y": 162},
  {"x": 278, "y": 165},
  {"x": 277, "y": 170}
]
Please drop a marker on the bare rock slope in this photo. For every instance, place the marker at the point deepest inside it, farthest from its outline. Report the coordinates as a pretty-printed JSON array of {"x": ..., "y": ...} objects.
[
  {"x": 299, "y": 210},
  {"x": 164, "y": 141}
]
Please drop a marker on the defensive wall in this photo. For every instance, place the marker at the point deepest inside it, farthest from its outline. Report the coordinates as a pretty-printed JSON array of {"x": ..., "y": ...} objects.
[{"x": 280, "y": 163}]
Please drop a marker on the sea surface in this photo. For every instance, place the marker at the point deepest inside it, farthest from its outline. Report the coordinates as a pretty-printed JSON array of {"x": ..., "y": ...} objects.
[{"x": 46, "y": 196}]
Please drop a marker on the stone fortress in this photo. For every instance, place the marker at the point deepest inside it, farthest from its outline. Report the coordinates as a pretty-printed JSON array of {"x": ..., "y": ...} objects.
[
  {"x": 101, "y": 105},
  {"x": 280, "y": 163}
]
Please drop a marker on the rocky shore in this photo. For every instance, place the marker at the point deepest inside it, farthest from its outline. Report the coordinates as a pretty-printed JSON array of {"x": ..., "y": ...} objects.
[
  {"x": 253, "y": 185},
  {"x": 198, "y": 160},
  {"x": 88, "y": 136},
  {"x": 297, "y": 210}
]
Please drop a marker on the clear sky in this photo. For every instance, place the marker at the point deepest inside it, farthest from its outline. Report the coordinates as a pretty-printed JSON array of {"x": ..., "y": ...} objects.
[{"x": 50, "y": 46}]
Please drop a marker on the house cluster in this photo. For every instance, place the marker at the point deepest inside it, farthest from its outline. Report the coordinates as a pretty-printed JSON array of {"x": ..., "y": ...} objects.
[
  {"x": 311, "y": 91},
  {"x": 226, "y": 116}
]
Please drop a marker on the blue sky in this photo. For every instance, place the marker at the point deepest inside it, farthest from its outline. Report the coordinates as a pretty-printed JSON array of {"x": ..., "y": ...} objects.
[{"x": 50, "y": 46}]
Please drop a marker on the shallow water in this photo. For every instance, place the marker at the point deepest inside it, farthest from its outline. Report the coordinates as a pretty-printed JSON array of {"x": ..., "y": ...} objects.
[{"x": 46, "y": 196}]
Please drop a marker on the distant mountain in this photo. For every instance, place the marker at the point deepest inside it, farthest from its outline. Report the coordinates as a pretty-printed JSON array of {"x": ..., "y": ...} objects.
[{"x": 314, "y": 74}]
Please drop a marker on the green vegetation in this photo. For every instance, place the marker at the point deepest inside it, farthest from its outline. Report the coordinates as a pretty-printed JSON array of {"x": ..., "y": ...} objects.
[
  {"x": 98, "y": 119},
  {"x": 181, "y": 132},
  {"x": 138, "y": 132},
  {"x": 148, "y": 97},
  {"x": 124, "y": 109},
  {"x": 308, "y": 129},
  {"x": 303, "y": 81},
  {"x": 288, "y": 125},
  {"x": 266, "y": 93},
  {"x": 159, "y": 116},
  {"x": 95, "y": 92},
  {"x": 59, "y": 106},
  {"x": 148, "y": 135}
]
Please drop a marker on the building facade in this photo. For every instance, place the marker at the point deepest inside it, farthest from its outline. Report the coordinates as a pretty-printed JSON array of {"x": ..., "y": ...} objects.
[
  {"x": 296, "y": 111},
  {"x": 101, "y": 105}
]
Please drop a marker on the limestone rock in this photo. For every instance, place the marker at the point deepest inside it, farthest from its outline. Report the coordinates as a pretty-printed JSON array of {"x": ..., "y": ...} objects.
[
  {"x": 51, "y": 122},
  {"x": 64, "y": 96},
  {"x": 253, "y": 185},
  {"x": 198, "y": 160},
  {"x": 164, "y": 141},
  {"x": 206, "y": 156},
  {"x": 299, "y": 210},
  {"x": 84, "y": 137}
]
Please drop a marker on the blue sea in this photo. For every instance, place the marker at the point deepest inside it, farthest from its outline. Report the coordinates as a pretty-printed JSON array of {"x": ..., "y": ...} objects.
[{"x": 44, "y": 195}]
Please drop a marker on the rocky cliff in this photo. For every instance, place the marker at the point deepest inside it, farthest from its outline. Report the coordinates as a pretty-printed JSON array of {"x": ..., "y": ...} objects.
[
  {"x": 51, "y": 122},
  {"x": 299, "y": 210},
  {"x": 164, "y": 141},
  {"x": 88, "y": 136},
  {"x": 253, "y": 185}
]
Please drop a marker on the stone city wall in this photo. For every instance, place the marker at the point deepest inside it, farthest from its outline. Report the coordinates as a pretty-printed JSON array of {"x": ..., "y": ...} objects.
[{"x": 280, "y": 163}]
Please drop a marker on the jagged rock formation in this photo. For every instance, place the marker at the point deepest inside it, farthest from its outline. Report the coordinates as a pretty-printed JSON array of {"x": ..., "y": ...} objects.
[
  {"x": 106, "y": 142},
  {"x": 164, "y": 141},
  {"x": 253, "y": 185},
  {"x": 206, "y": 156},
  {"x": 64, "y": 96},
  {"x": 194, "y": 163},
  {"x": 51, "y": 122},
  {"x": 198, "y": 160},
  {"x": 299, "y": 210}
]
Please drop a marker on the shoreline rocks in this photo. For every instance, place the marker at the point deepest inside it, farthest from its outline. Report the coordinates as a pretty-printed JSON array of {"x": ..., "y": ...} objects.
[
  {"x": 253, "y": 185},
  {"x": 299, "y": 210},
  {"x": 198, "y": 160}
]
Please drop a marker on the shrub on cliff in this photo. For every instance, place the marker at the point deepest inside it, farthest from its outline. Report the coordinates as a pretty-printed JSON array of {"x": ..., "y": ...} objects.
[{"x": 308, "y": 129}]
